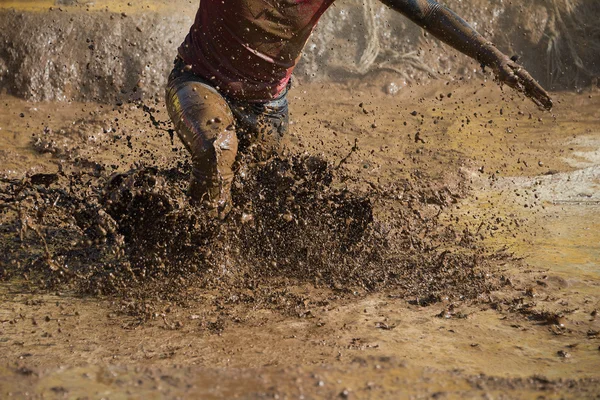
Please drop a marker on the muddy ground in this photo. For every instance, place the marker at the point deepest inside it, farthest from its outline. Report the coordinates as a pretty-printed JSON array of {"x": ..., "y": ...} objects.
[{"x": 441, "y": 242}]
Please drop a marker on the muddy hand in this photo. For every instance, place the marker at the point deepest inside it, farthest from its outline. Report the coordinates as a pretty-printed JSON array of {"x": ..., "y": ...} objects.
[{"x": 515, "y": 76}]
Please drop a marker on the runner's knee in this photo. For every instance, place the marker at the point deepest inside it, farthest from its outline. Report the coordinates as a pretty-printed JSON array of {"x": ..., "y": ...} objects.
[{"x": 203, "y": 122}]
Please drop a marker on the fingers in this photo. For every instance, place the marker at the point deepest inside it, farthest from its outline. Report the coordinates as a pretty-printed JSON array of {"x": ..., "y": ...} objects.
[
  {"x": 527, "y": 85},
  {"x": 533, "y": 90},
  {"x": 515, "y": 76}
]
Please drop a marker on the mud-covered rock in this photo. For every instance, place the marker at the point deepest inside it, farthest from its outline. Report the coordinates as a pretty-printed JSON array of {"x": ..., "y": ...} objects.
[{"x": 87, "y": 55}]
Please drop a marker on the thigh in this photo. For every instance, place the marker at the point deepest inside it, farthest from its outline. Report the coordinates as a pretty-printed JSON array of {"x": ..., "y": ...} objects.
[
  {"x": 203, "y": 120},
  {"x": 262, "y": 126}
]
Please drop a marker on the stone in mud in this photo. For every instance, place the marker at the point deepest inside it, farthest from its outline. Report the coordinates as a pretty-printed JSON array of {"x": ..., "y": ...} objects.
[{"x": 43, "y": 179}]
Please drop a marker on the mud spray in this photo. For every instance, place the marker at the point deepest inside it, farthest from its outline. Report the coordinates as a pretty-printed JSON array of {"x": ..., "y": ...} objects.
[
  {"x": 374, "y": 254},
  {"x": 295, "y": 221},
  {"x": 376, "y": 259}
]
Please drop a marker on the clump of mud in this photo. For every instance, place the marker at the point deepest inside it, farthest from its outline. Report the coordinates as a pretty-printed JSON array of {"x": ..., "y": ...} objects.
[{"x": 295, "y": 221}]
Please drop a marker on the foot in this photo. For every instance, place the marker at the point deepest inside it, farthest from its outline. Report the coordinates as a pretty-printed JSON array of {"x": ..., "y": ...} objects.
[{"x": 214, "y": 197}]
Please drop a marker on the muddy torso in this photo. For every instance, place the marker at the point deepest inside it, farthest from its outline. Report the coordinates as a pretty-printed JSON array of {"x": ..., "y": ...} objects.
[{"x": 249, "y": 48}]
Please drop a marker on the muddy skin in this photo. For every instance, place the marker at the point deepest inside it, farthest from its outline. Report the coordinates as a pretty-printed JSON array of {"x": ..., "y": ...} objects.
[{"x": 213, "y": 128}]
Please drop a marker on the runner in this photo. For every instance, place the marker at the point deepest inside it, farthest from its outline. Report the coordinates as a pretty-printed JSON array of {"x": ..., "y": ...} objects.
[{"x": 228, "y": 88}]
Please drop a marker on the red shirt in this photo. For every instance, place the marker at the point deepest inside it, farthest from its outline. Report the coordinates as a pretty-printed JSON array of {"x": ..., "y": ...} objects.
[{"x": 249, "y": 48}]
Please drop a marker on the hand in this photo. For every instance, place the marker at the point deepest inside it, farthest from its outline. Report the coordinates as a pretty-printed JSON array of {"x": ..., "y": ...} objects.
[{"x": 509, "y": 72}]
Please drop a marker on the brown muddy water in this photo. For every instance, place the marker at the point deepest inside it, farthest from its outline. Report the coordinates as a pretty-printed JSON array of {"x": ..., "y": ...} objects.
[{"x": 442, "y": 242}]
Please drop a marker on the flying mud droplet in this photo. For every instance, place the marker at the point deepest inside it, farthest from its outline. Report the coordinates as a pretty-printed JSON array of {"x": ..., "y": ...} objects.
[{"x": 296, "y": 220}]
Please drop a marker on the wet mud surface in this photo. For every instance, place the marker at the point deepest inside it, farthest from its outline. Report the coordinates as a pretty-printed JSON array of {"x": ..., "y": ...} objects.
[{"x": 406, "y": 247}]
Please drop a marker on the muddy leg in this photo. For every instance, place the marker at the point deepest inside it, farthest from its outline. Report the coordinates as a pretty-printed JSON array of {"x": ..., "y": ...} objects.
[{"x": 205, "y": 125}]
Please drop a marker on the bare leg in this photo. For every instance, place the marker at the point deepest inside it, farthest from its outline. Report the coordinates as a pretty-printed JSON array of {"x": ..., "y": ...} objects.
[{"x": 205, "y": 124}]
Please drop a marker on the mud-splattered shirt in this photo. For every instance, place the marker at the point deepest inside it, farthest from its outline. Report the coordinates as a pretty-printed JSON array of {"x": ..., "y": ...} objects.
[{"x": 249, "y": 48}]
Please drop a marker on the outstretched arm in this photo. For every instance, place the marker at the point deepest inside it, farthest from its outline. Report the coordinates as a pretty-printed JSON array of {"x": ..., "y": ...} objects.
[{"x": 445, "y": 25}]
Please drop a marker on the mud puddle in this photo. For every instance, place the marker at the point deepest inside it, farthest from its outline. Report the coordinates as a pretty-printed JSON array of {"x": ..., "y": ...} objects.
[{"x": 346, "y": 271}]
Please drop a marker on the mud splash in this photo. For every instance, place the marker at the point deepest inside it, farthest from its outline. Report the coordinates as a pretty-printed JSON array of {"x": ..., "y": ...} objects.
[
  {"x": 240, "y": 316},
  {"x": 295, "y": 221}
]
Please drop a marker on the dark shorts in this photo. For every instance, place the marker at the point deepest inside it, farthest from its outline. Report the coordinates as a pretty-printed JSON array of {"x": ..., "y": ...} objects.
[{"x": 266, "y": 122}]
